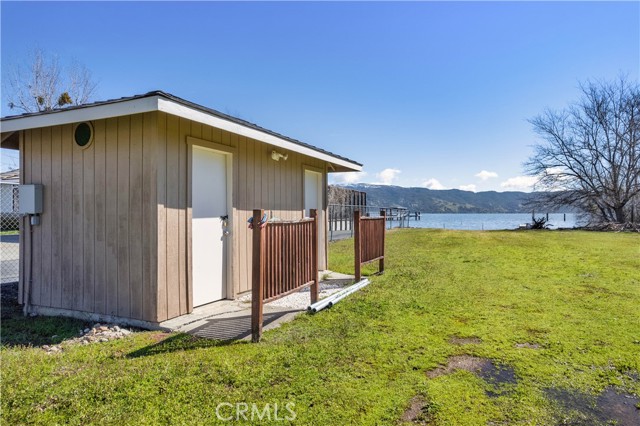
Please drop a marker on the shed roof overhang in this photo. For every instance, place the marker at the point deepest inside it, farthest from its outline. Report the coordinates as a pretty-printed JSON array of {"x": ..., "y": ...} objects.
[
  {"x": 164, "y": 102},
  {"x": 10, "y": 140}
]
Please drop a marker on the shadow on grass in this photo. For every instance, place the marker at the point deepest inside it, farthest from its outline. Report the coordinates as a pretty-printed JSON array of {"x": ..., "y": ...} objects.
[
  {"x": 214, "y": 332},
  {"x": 38, "y": 331},
  {"x": 178, "y": 342},
  {"x": 18, "y": 330}
]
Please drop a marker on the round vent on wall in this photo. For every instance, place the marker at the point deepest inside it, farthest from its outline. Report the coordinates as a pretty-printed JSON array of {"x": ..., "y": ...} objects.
[{"x": 83, "y": 134}]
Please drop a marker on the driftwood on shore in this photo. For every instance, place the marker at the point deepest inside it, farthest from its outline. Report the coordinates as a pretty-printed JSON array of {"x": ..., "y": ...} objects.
[{"x": 613, "y": 227}]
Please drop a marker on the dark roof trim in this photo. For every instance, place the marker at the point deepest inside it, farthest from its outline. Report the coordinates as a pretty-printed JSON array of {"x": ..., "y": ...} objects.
[{"x": 162, "y": 95}]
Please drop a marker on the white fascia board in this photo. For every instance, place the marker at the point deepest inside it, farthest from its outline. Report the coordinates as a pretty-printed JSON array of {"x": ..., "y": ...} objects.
[
  {"x": 98, "y": 112},
  {"x": 183, "y": 111},
  {"x": 157, "y": 103}
]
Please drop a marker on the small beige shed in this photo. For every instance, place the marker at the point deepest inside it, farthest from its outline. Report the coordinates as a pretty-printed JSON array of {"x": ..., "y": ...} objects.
[{"x": 145, "y": 204}]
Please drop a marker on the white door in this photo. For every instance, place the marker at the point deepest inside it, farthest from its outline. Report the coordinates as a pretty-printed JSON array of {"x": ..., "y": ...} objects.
[
  {"x": 312, "y": 192},
  {"x": 208, "y": 226},
  {"x": 313, "y": 200}
]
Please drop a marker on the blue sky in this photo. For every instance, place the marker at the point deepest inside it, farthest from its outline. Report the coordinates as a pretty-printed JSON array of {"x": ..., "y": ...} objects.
[{"x": 432, "y": 94}]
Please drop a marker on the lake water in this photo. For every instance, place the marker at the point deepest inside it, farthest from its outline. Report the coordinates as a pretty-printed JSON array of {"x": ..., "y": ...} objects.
[{"x": 488, "y": 221}]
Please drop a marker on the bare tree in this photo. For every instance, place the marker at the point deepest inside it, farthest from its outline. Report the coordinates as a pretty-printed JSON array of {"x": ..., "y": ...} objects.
[
  {"x": 338, "y": 195},
  {"x": 589, "y": 156},
  {"x": 43, "y": 84},
  {"x": 80, "y": 85}
]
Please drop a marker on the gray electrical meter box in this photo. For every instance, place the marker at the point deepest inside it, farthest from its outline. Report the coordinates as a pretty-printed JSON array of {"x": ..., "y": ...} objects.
[{"x": 30, "y": 201}]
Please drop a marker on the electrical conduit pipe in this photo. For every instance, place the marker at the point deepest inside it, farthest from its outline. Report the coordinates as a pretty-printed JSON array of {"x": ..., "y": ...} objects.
[{"x": 336, "y": 297}]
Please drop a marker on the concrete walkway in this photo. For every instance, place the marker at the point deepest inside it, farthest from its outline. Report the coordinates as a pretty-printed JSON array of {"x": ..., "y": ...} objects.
[
  {"x": 237, "y": 325},
  {"x": 231, "y": 319}
]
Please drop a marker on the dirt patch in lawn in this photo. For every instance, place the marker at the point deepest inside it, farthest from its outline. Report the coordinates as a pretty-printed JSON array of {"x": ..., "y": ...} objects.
[
  {"x": 609, "y": 407},
  {"x": 469, "y": 363},
  {"x": 160, "y": 336},
  {"x": 500, "y": 378},
  {"x": 461, "y": 341},
  {"x": 418, "y": 412}
]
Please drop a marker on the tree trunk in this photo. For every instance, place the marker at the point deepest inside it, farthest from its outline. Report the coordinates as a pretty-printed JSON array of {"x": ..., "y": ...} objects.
[
  {"x": 604, "y": 214},
  {"x": 620, "y": 214}
]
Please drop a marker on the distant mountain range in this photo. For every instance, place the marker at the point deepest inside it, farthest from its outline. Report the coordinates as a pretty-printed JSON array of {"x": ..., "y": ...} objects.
[{"x": 445, "y": 200}]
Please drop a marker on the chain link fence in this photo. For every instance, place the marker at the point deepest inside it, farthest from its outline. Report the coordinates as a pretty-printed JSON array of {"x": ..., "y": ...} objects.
[{"x": 9, "y": 233}]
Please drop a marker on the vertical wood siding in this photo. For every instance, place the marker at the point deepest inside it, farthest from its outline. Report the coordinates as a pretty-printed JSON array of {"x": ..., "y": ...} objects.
[
  {"x": 36, "y": 174},
  {"x": 45, "y": 269},
  {"x": 111, "y": 215},
  {"x": 95, "y": 249},
  {"x": 56, "y": 216},
  {"x": 161, "y": 185},
  {"x": 99, "y": 224},
  {"x": 113, "y": 235},
  {"x": 149, "y": 210},
  {"x": 258, "y": 183},
  {"x": 66, "y": 218}
]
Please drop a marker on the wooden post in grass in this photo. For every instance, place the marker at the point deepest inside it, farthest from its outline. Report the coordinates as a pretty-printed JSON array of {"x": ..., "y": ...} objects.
[
  {"x": 314, "y": 257},
  {"x": 358, "y": 251},
  {"x": 383, "y": 214},
  {"x": 257, "y": 289}
]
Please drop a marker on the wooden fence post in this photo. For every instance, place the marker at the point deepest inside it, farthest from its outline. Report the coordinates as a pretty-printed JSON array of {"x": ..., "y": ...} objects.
[
  {"x": 383, "y": 214},
  {"x": 314, "y": 257},
  {"x": 257, "y": 288},
  {"x": 358, "y": 250}
]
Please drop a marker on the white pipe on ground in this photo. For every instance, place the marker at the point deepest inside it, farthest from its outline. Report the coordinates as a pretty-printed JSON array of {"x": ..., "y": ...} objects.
[
  {"x": 321, "y": 304},
  {"x": 336, "y": 297},
  {"x": 326, "y": 300},
  {"x": 351, "y": 290}
]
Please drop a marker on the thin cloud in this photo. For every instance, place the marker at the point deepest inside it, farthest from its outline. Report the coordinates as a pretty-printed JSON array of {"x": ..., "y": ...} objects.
[
  {"x": 484, "y": 175},
  {"x": 387, "y": 176},
  {"x": 347, "y": 177},
  {"x": 519, "y": 183},
  {"x": 433, "y": 183},
  {"x": 471, "y": 187}
]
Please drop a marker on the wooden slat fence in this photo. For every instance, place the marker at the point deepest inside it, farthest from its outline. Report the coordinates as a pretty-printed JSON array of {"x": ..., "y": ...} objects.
[
  {"x": 369, "y": 241},
  {"x": 285, "y": 260}
]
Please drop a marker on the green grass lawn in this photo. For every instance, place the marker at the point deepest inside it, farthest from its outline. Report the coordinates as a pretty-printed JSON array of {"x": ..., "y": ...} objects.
[{"x": 558, "y": 312}]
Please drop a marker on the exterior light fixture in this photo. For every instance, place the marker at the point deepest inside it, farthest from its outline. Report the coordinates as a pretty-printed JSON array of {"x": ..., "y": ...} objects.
[{"x": 276, "y": 156}]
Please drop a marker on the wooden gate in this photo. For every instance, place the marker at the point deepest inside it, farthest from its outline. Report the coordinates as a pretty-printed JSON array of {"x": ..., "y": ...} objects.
[
  {"x": 369, "y": 241},
  {"x": 285, "y": 260}
]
